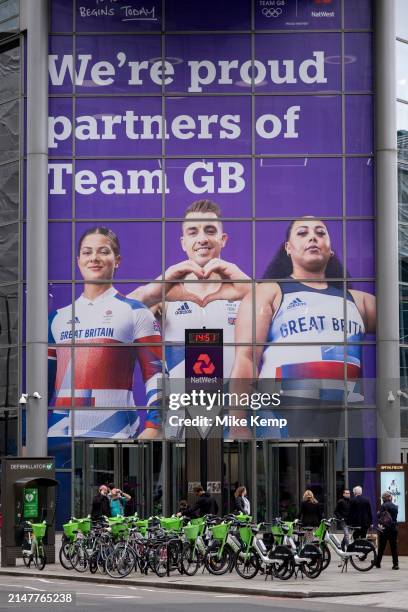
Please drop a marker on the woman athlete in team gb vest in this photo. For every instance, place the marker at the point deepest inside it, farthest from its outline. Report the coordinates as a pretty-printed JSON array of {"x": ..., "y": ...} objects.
[
  {"x": 304, "y": 309},
  {"x": 111, "y": 334}
]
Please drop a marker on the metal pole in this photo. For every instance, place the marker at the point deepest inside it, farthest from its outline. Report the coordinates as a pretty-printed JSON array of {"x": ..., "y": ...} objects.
[
  {"x": 37, "y": 224},
  {"x": 388, "y": 412}
]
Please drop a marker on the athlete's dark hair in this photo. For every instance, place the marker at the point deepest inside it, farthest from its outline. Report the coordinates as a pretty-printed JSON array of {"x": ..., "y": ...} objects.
[
  {"x": 203, "y": 206},
  {"x": 104, "y": 231},
  {"x": 281, "y": 265}
]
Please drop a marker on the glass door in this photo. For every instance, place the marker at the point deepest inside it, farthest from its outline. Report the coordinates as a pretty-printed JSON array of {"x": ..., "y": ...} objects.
[
  {"x": 236, "y": 472},
  {"x": 141, "y": 477},
  {"x": 318, "y": 472},
  {"x": 286, "y": 470},
  {"x": 95, "y": 464}
]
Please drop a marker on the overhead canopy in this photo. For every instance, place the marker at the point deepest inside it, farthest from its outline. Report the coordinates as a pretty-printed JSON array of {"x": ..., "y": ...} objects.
[{"x": 39, "y": 481}]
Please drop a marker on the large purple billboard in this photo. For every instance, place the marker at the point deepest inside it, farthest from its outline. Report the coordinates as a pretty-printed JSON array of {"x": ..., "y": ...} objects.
[{"x": 234, "y": 168}]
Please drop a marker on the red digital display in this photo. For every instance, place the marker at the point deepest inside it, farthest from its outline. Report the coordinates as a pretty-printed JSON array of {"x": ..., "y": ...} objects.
[{"x": 204, "y": 337}]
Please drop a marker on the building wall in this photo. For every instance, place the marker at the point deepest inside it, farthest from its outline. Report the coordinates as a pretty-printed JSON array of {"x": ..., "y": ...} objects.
[{"x": 268, "y": 152}]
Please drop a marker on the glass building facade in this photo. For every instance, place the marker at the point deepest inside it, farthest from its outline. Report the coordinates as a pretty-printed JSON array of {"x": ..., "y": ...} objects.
[{"x": 268, "y": 112}]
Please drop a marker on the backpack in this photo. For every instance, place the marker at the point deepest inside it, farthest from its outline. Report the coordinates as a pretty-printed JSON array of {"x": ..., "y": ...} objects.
[{"x": 384, "y": 520}]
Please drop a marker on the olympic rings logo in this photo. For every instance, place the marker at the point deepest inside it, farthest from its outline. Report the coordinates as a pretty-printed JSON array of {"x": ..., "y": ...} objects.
[{"x": 271, "y": 12}]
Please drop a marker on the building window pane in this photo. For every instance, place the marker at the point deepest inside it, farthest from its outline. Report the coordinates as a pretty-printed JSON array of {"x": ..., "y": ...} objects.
[
  {"x": 9, "y": 131},
  {"x": 9, "y": 253},
  {"x": 8, "y": 377},
  {"x": 9, "y": 192},
  {"x": 402, "y": 19},
  {"x": 9, "y": 73},
  {"x": 402, "y": 132},
  {"x": 9, "y": 314},
  {"x": 402, "y": 75}
]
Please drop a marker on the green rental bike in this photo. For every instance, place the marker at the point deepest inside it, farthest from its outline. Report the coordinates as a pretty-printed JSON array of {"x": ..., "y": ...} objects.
[
  {"x": 33, "y": 545},
  {"x": 361, "y": 552}
]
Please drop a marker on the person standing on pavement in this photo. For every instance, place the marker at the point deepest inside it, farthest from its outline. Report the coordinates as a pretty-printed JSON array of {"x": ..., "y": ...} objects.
[
  {"x": 341, "y": 512},
  {"x": 206, "y": 504},
  {"x": 100, "y": 504},
  {"x": 118, "y": 501},
  {"x": 310, "y": 513},
  {"x": 389, "y": 531},
  {"x": 360, "y": 514},
  {"x": 242, "y": 503}
]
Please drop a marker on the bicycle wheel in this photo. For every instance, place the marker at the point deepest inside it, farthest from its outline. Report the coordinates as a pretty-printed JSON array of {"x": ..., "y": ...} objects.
[
  {"x": 64, "y": 556},
  {"x": 190, "y": 559},
  {"x": 26, "y": 552},
  {"x": 247, "y": 564},
  {"x": 120, "y": 562},
  {"x": 312, "y": 568},
  {"x": 218, "y": 562},
  {"x": 79, "y": 558},
  {"x": 39, "y": 557},
  {"x": 326, "y": 555},
  {"x": 363, "y": 555},
  {"x": 160, "y": 560},
  {"x": 283, "y": 563},
  {"x": 93, "y": 565}
]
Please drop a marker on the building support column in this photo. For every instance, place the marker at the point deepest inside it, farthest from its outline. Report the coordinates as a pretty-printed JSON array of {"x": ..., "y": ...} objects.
[
  {"x": 388, "y": 410},
  {"x": 36, "y": 14}
]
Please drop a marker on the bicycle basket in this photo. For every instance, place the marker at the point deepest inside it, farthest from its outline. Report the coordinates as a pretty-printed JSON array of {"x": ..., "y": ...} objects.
[
  {"x": 319, "y": 532},
  {"x": 70, "y": 530},
  {"x": 220, "y": 531},
  {"x": 39, "y": 529},
  {"x": 172, "y": 523},
  {"x": 200, "y": 522},
  {"x": 276, "y": 530},
  {"x": 245, "y": 533},
  {"x": 142, "y": 526},
  {"x": 119, "y": 529},
  {"x": 288, "y": 528},
  {"x": 243, "y": 517},
  {"x": 191, "y": 532},
  {"x": 84, "y": 525}
]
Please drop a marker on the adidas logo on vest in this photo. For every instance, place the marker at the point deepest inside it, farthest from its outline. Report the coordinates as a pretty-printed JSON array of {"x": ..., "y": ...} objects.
[
  {"x": 295, "y": 303},
  {"x": 184, "y": 309}
]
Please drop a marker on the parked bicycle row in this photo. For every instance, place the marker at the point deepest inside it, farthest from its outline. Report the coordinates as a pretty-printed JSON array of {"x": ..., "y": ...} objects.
[{"x": 281, "y": 549}]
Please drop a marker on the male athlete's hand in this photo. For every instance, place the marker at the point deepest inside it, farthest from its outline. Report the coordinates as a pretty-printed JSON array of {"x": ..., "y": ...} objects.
[
  {"x": 225, "y": 269},
  {"x": 179, "y": 271},
  {"x": 174, "y": 288}
]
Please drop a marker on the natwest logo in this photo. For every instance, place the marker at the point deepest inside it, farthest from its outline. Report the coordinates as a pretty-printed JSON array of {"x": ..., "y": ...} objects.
[{"x": 203, "y": 365}]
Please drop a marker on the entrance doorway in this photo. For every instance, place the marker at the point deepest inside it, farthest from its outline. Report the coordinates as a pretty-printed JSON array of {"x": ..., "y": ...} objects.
[
  {"x": 286, "y": 470},
  {"x": 237, "y": 472},
  {"x": 137, "y": 469}
]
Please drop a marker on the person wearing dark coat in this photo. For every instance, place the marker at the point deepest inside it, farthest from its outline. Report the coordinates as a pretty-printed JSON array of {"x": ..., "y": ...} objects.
[
  {"x": 242, "y": 504},
  {"x": 310, "y": 513},
  {"x": 341, "y": 512},
  {"x": 360, "y": 514},
  {"x": 100, "y": 504},
  {"x": 206, "y": 504},
  {"x": 390, "y": 533}
]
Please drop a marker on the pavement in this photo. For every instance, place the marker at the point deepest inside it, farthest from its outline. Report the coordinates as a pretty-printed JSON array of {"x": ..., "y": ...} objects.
[{"x": 331, "y": 583}]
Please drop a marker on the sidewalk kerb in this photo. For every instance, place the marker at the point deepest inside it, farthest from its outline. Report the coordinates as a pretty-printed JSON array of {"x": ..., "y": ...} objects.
[{"x": 296, "y": 594}]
